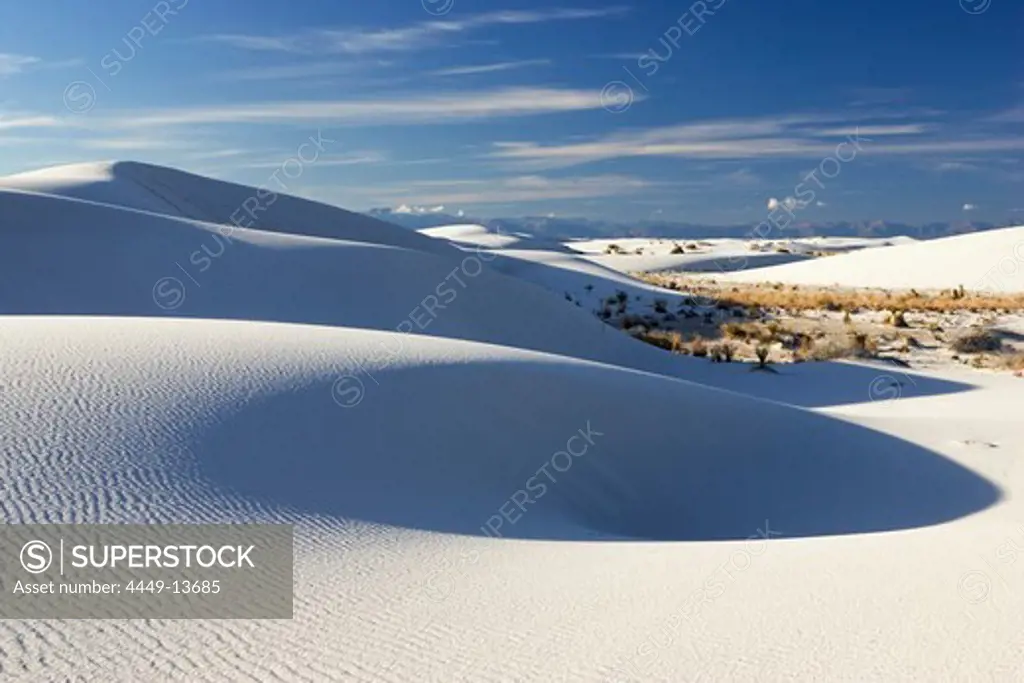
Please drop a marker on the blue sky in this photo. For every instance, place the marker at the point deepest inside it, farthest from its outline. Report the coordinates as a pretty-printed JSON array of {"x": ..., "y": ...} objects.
[{"x": 709, "y": 113}]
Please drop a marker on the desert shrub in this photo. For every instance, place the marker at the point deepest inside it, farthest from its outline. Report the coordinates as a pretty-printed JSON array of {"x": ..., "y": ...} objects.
[
  {"x": 762, "y": 356},
  {"x": 863, "y": 345},
  {"x": 734, "y": 331},
  {"x": 728, "y": 352},
  {"x": 677, "y": 250},
  {"x": 630, "y": 321},
  {"x": 977, "y": 341},
  {"x": 661, "y": 306},
  {"x": 898, "y": 319},
  {"x": 698, "y": 348},
  {"x": 1013, "y": 361},
  {"x": 669, "y": 341},
  {"x": 621, "y": 297}
]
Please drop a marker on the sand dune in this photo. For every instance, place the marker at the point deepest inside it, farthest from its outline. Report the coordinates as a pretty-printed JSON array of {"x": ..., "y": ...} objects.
[
  {"x": 514, "y": 491},
  {"x": 985, "y": 261}
]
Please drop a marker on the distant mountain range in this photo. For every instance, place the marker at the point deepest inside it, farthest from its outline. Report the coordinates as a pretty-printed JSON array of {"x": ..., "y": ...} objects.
[{"x": 581, "y": 227}]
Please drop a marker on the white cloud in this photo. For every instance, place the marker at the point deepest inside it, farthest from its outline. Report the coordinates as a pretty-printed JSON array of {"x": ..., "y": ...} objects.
[
  {"x": 872, "y": 131},
  {"x": 128, "y": 144},
  {"x": 509, "y": 190},
  {"x": 402, "y": 39},
  {"x": 412, "y": 108},
  {"x": 785, "y": 137},
  {"x": 354, "y": 158},
  {"x": 743, "y": 177},
  {"x": 12, "y": 121},
  {"x": 955, "y": 166},
  {"x": 289, "y": 71},
  {"x": 488, "y": 68},
  {"x": 970, "y": 207},
  {"x": 11, "y": 64},
  {"x": 625, "y": 56},
  {"x": 405, "y": 208},
  {"x": 788, "y": 203}
]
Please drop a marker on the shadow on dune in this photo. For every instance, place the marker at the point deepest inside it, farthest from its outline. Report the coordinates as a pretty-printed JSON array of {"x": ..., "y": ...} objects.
[
  {"x": 112, "y": 262},
  {"x": 822, "y": 384},
  {"x": 711, "y": 263},
  {"x": 463, "y": 449}
]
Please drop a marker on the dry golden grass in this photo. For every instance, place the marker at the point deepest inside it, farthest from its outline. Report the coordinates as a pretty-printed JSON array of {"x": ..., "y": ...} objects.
[
  {"x": 794, "y": 298},
  {"x": 1013, "y": 361},
  {"x": 670, "y": 341}
]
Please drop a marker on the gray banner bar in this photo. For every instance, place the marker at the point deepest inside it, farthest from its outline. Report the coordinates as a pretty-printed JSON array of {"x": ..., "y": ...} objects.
[{"x": 92, "y": 571}]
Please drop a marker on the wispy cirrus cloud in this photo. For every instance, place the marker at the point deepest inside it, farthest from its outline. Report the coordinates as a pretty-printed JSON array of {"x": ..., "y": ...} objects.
[
  {"x": 489, "y": 68},
  {"x": 871, "y": 131},
  {"x": 1012, "y": 115},
  {"x": 401, "y": 39},
  {"x": 354, "y": 158},
  {"x": 11, "y": 64},
  {"x": 131, "y": 144},
  {"x": 523, "y": 188},
  {"x": 12, "y": 121},
  {"x": 420, "y": 108},
  {"x": 289, "y": 71},
  {"x": 792, "y": 137},
  {"x": 950, "y": 166}
]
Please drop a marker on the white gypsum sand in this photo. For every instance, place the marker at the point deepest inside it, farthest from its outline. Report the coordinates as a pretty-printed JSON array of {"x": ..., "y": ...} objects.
[{"x": 837, "y": 521}]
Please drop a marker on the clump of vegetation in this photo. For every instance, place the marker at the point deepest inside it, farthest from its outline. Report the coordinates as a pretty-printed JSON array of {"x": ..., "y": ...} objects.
[
  {"x": 1013, "y": 361},
  {"x": 776, "y": 296},
  {"x": 898, "y": 319},
  {"x": 677, "y": 249},
  {"x": 863, "y": 345},
  {"x": 977, "y": 341},
  {"x": 613, "y": 249},
  {"x": 661, "y": 306},
  {"x": 762, "y": 357},
  {"x": 723, "y": 353},
  {"x": 628, "y": 322},
  {"x": 698, "y": 348},
  {"x": 667, "y": 341}
]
